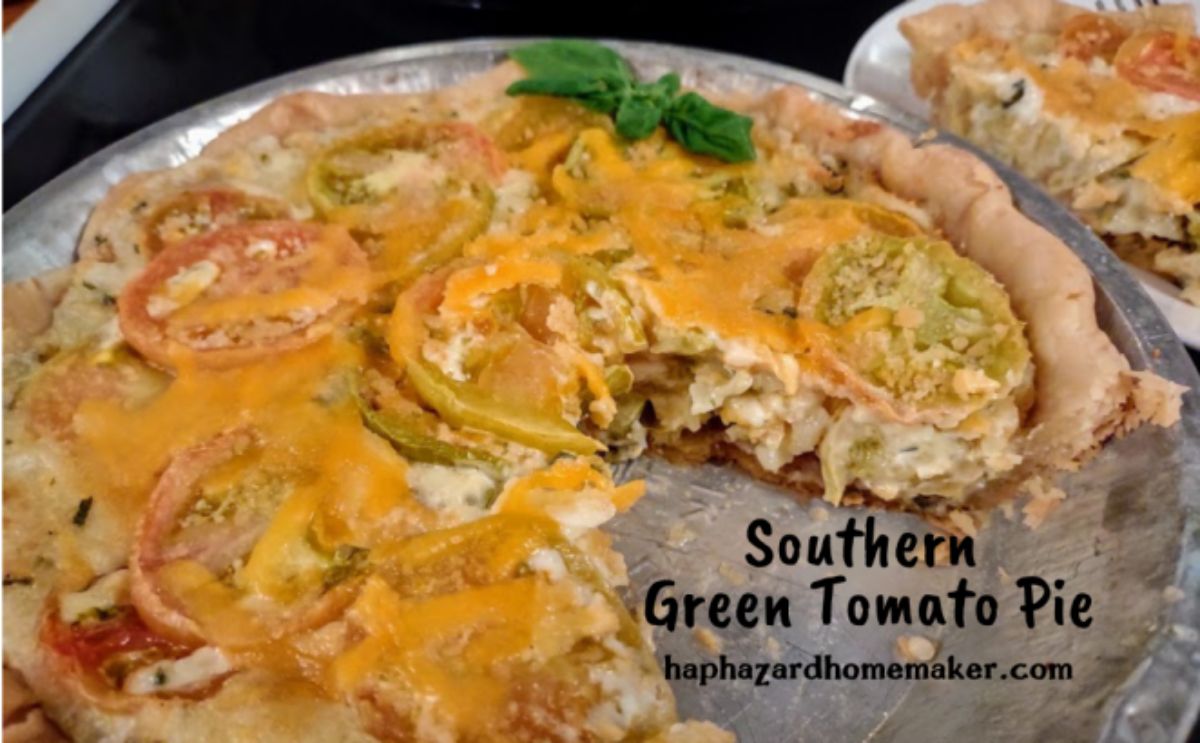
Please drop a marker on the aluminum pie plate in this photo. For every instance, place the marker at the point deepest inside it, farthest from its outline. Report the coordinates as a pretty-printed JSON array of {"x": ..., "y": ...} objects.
[{"x": 1128, "y": 533}]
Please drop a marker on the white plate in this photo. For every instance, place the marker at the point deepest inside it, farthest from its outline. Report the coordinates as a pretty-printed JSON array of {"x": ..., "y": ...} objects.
[
  {"x": 879, "y": 67},
  {"x": 41, "y": 39}
]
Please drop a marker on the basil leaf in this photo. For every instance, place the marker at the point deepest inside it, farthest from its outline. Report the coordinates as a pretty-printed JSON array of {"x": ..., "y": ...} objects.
[
  {"x": 571, "y": 58},
  {"x": 598, "y": 95},
  {"x": 709, "y": 130},
  {"x": 663, "y": 88},
  {"x": 639, "y": 114},
  {"x": 569, "y": 87},
  {"x": 600, "y": 79},
  {"x": 605, "y": 102},
  {"x": 638, "y": 117}
]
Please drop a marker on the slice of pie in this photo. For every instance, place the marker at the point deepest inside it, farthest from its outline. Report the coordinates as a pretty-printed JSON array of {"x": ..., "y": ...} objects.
[{"x": 1100, "y": 108}]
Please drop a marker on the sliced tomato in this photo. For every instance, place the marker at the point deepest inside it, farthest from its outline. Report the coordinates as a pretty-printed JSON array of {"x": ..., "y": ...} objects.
[
  {"x": 414, "y": 192},
  {"x": 172, "y": 496},
  {"x": 93, "y": 643},
  {"x": 54, "y": 394},
  {"x": 240, "y": 293},
  {"x": 1163, "y": 61},
  {"x": 1090, "y": 35},
  {"x": 217, "y": 540},
  {"x": 198, "y": 212},
  {"x": 98, "y": 654},
  {"x": 403, "y": 161}
]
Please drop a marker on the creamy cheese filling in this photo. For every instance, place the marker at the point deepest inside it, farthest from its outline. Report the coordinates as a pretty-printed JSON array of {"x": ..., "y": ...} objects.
[
  {"x": 459, "y": 493},
  {"x": 104, "y": 595},
  {"x": 1091, "y": 165},
  {"x": 203, "y": 666},
  {"x": 856, "y": 446},
  {"x": 903, "y": 461}
]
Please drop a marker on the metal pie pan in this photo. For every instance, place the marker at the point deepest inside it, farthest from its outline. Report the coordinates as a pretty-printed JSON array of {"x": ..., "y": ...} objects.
[{"x": 1128, "y": 534}]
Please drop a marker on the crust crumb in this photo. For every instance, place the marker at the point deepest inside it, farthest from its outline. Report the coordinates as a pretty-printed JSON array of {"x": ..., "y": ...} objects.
[
  {"x": 731, "y": 574},
  {"x": 915, "y": 648},
  {"x": 966, "y": 522},
  {"x": 1152, "y": 400},
  {"x": 707, "y": 640},
  {"x": 774, "y": 648},
  {"x": 1044, "y": 499},
  {"x": 853, "y": 499},
  {"x": 679, "y": 534},
  {"x": 941, "y": 555}
]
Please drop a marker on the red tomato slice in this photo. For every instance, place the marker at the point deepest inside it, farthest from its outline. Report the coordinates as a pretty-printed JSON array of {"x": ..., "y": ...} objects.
[
  {"x": 241, "y": 293},
  {"x": 168, "y": 502},
  {"x": 91, "y": 644},
  {"x": 54, "y": 395},
  {"x": 1163, "y": 61},
  {"x": 98, "y": 655},
  {"x": 162, "y": 538},
  {"x": 1090, "y": 35},
  {"x": 194, "y": 213}
]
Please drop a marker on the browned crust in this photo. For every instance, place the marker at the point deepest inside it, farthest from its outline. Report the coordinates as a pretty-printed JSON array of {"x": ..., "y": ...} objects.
[
  {"x": 308, "y": 111},
  {"x": 935, "y": 32}
]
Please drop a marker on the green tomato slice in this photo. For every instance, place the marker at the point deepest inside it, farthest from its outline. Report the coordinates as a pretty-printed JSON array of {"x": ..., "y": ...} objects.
[
  {"x": 407, "y": 438},
  {"x": 398, "y": 161},
  {"x": 930, "y": 333},
  {"x": 596, "y": 285},
  {"x": 464, "y": 404}
]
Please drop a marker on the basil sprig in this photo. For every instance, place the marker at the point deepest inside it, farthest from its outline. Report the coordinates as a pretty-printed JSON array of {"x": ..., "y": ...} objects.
[{"x": 600, "y": 79}]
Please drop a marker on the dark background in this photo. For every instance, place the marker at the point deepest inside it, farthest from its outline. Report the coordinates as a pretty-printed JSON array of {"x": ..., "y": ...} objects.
[{"x": 151, "y": 58}]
